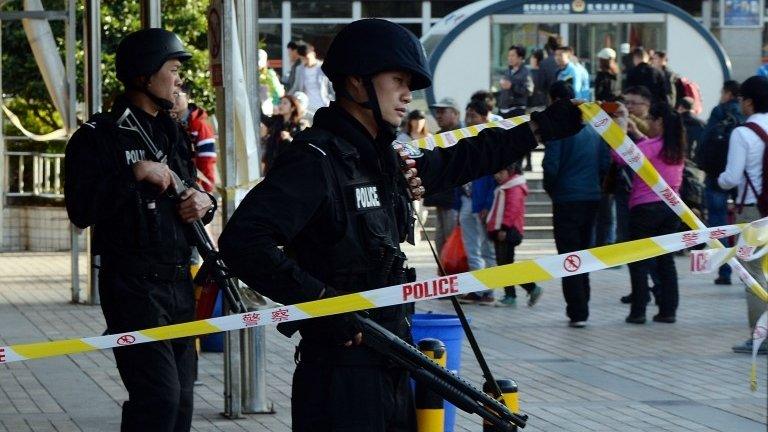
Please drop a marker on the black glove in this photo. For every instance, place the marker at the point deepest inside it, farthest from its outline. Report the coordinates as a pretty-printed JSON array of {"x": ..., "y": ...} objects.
[
  {"x": 342, "y": 327},
  {"x": 560, "y": 120}
]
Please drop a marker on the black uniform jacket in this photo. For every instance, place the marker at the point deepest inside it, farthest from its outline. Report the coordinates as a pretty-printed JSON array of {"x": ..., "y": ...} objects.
[
  {"x": 101, "y": 191},
  {"x": 292, "y": 206}
]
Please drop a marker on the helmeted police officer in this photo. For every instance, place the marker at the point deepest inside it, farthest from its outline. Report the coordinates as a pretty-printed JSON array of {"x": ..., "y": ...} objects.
[
  {"x": 139, "y": 229},
  {"x": 338, "y": 201}
]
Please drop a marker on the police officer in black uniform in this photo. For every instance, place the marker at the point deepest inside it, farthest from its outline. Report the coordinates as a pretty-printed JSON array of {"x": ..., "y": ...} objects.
[
  {"x": 339, "y": 203},
  {"x": 140, "y": 230}
]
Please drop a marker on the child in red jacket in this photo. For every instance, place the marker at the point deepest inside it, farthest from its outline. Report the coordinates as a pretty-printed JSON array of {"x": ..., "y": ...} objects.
[{"x": 505, "y": 226}]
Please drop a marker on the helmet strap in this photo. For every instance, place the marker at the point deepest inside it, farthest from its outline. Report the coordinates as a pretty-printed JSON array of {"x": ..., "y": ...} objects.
[
  {"x": 162, "y": 104},
  {"x": 386, "y": 130}
]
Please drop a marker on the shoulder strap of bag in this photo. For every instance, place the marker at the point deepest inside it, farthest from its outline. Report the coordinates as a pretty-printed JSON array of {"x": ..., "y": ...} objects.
[{"x": 760, "y": 132}]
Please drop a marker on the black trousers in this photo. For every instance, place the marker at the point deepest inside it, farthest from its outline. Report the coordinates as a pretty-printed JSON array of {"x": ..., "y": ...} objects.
[
  {"x": 159, "y": 376},
  {"x": 648, "y": 220},
  {"x": 573, "y": 224},
  {"x": 351, "y": 398},
  {"x": 505, "y": 254}
]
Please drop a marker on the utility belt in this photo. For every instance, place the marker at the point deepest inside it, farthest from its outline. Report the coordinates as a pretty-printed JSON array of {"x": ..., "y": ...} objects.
[{"x": 163, "y": 272}]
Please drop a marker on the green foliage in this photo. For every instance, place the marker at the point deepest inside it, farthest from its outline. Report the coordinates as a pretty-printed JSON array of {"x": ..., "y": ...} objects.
[{"x": 23, "y": 86}]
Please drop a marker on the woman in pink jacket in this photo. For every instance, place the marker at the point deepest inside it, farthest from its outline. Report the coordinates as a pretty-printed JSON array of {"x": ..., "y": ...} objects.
[
  {"x": 649, "y": 216},
  {"x": 505, "y": 226}
]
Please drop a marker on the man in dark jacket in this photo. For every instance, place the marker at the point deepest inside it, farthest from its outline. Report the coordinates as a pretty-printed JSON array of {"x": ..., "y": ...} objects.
[
  {"x": 516, "y": 84},
  {"x": 711, "y": 156},
  {"x": 573, "y": 168},
  {"x": 140, "y": 231},
  {"x": 660, "y": 62},
  {"x": 643, "y": 74},
  {"x": 549, "y": 67},
  {"x": 694, "y": 126},
  {"x": 336, "y": 243}
]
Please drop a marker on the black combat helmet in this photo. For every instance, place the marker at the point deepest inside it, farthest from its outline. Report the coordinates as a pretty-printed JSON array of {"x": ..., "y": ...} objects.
[
  {"x": 142, "y": 53},
  {"x": 370, "y": 46}
]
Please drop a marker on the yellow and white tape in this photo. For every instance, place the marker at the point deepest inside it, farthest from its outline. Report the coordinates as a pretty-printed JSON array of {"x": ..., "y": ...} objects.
[
  {"x": 618, "y": 140},
  {"x": 541, "y": 269},
  {"x": 447, "y": 139},
  {"x": 752, "y": 244}
]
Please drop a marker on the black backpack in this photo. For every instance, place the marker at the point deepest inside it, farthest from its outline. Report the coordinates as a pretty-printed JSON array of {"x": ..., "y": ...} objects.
[
  {"x": 692, "y": 188},
  {"x": 712, "y": 153}
]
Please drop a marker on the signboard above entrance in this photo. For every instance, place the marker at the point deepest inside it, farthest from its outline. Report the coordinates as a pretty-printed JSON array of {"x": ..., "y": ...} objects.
[{"x": 557, "y": 7}]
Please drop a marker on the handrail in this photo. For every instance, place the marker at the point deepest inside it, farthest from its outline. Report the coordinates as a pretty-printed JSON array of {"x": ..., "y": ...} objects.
[{"x": 45, "y": 181}]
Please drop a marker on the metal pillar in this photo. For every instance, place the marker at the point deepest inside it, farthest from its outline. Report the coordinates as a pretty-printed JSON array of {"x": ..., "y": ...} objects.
[
  {"x": 93, "y": 98},
  {"x": 70, "y": 124},
  {"x": 285, "y": 31},
  {"x": 253, "y": 344},
  {"x": 92, "y": 45},
  {"x": 225, "y": 107},
  {"x": 706, "y": 14},
  {"x": 426, "y": 16},
  {"x": 150, "y": 14}
]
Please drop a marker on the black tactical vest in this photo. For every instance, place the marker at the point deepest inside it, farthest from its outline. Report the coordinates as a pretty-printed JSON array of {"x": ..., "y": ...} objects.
[
  {"x": 371, "y": 211},
  {"x": 149, "y": 230}
]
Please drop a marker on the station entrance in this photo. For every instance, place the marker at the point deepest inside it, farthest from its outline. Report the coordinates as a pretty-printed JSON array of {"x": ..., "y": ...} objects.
[{"x": 478, "y": 36}]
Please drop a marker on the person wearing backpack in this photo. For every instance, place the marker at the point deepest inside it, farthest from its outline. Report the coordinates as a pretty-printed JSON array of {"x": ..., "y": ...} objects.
[
  {"x": 711, "y": 155},
  {"x": 744, "y": 169}
]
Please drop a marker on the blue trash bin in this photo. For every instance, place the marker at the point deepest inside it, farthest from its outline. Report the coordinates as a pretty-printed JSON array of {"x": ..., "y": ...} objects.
[
  {"x": 214, "y": 342},
  {"x": 446, "y": 328}
]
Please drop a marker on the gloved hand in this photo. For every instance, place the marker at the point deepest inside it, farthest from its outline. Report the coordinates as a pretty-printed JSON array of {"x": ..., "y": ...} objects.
[
  {"x": 344, "y": 328},
  {"x": 560, "y": 120}
]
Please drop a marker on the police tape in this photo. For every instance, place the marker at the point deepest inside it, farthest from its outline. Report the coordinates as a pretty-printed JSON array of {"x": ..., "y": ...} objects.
[
  {"x": 447, "y": 139},
  {"x": 546, "y": 268},
  {"x": 751, "y": 245},
  {"x": 618, "y": 140},
  {"x": 612, "y": 133}
]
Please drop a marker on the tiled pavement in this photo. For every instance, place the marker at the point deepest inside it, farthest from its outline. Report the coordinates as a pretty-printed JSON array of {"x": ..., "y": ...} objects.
[{"x": 610, "y": 376}]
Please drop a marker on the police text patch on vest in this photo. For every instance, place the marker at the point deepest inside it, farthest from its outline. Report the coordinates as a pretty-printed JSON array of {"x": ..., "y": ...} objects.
[{"x": 366, "y": 196}]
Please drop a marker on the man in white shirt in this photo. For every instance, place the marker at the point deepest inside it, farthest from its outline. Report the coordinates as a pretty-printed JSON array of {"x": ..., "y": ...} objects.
[
  {"x": 745, "y": 155},
  {"x": 311, "y": 80}
]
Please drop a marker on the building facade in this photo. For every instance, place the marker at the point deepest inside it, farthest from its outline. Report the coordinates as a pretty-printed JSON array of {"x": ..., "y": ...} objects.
[{"x": 742, "y": 33}]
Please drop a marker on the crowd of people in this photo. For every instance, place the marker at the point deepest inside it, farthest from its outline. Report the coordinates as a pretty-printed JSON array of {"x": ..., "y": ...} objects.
[
  {"x": 287, "y": 106},
  {"x": 597, "y": 199}
]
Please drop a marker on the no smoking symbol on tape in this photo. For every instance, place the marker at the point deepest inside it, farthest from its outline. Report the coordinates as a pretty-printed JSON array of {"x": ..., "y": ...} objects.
[
  {"x": 126, "y": 340},
  {"x": 572, "y": 263}
]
